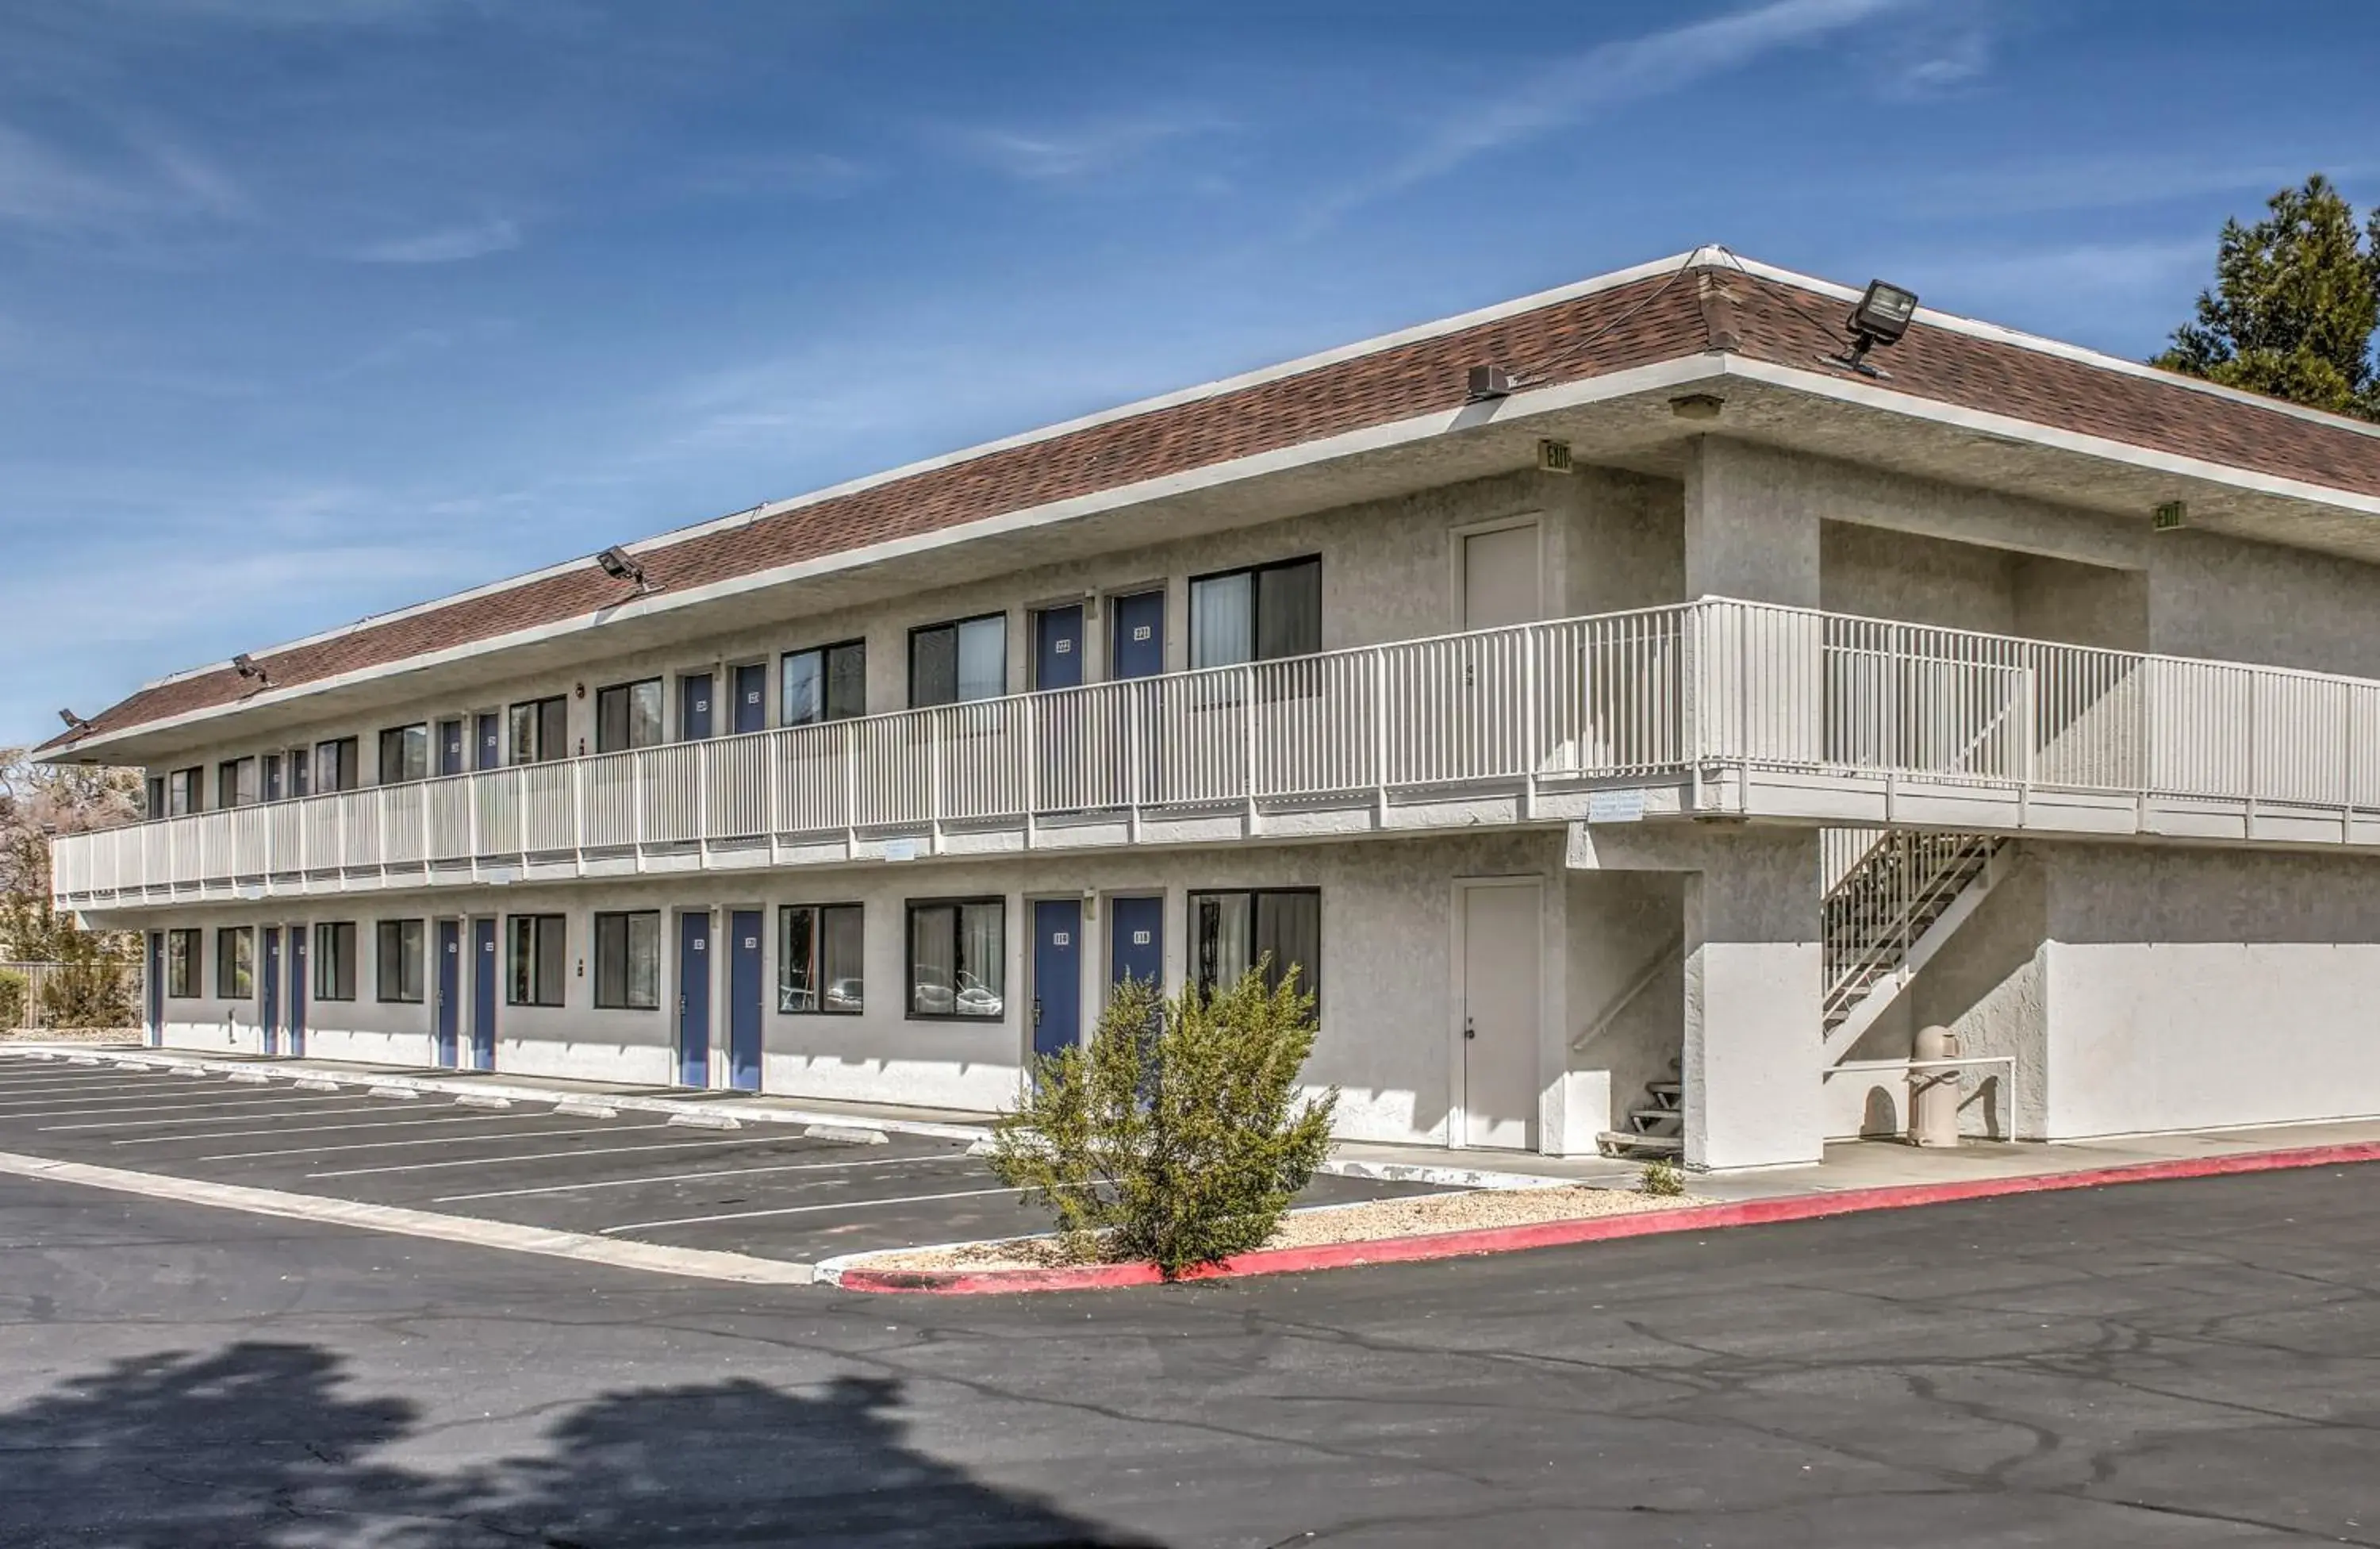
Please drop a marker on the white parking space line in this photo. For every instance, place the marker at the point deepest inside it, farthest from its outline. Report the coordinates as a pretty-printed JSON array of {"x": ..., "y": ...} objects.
[
  {"x": 213, "y": 1135},
  {"x": 14, "y": 1090},
  {"x": 131, "y": 1101},
  {"x": 548, "y": 1156},
  {"x": 689, "y": 1178},
  {"x": 432, "y": 1141},
  {"x": 230, "y": 1108},
  {"x": 220, "y": 1118},
  {"x": 800, "y": 1210}
]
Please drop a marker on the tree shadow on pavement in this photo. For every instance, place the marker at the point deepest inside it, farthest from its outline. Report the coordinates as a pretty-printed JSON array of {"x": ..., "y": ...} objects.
[{"x": 259, "y": 1444}]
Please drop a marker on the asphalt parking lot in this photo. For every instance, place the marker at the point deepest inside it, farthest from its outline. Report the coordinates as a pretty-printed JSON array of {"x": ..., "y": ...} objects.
[{"x": 768, "y": 1189}]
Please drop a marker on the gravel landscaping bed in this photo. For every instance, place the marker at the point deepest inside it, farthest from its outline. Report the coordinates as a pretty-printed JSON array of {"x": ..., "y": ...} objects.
[
  {"x": 1321, "y": 1226},
  {"x": 70, "y": 1035}
]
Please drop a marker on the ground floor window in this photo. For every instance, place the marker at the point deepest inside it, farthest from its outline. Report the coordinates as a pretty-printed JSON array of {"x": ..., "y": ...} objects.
[
  {"x": 182, "y": 964},
  {"x": 1280, "y": 927},
  {"x": 397, "y": 960},
  {"x": 628, "y": 960},
  {"x": 958, "y": 957},
  {"x": 335, "y": 960},
  {"x": 818, "y": 967},
  {"x": 537, "y": 975},
  {"x": 235, "y": 962}
]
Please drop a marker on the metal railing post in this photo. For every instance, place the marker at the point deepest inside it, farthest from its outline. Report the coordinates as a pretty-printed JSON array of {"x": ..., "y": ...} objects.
[{"x": 1380, "y": 738}]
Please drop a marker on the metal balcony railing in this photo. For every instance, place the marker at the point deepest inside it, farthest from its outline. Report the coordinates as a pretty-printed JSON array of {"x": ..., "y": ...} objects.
[{"x": 1694, "y": 691}]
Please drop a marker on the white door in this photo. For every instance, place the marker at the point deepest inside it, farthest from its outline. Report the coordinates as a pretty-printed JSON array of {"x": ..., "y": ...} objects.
[
  {"x": 1499, "y": 576},
  {"x": 1499, "y": 1015}
]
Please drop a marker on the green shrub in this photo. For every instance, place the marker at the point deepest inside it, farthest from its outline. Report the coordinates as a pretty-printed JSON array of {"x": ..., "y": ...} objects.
[
  {"x": 12, "y": 998},
  {"x": 1175, "y": 1137},
  {"x": 1662, "y": 1176}
]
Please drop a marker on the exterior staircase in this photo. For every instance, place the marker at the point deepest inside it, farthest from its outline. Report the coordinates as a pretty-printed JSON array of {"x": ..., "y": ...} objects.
[
  {"x": 1657, "y": 1127},
  {"x": 1891, "y": 899}
]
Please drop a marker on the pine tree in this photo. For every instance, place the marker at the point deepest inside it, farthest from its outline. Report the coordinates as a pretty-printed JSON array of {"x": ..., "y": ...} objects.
[{"x": 2295, "y": 303}]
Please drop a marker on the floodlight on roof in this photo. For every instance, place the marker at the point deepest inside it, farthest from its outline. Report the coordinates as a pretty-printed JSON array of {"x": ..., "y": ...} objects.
[
  {"x": 245, "y": 665},
  {"x": 1881, "y": 317},
  {"x": 73, "y": 720},
  {"x": 620, "y": 565}
]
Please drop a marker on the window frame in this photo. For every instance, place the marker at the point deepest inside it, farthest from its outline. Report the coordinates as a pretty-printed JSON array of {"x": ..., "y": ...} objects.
[
  {"x": 605, "y": 698},
  {"x": 335, "y": 965},
  {"x": 537, "y": 925},
  {"x": 412, "y": 737},
  {"x": 235, "y": 969},
  {"x": 183, "y": 945},
  {"x": 1310, "y": 980},
  {"x": 626, "y": 921},
  {"x": 957, "y": 906},
  {"x": 186, "y": 791},
  {"x": 1254, "y": 573},
  {"x": 235, "y": 784},
  {"x": 957, "y": 627},
  {"x": 413, "y": 957},
  {"x": 825, "y": 654},
  {"x": 536, "y": 710},
  {"x": 823, "y": 974},
  {"x": 346, "y": 755}
]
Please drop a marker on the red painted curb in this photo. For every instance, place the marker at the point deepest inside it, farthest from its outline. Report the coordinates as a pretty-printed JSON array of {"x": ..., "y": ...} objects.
[{"x": 1552, "y": 1234}]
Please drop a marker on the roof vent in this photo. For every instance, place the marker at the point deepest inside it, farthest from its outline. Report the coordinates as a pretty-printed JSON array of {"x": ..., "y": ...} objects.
[{"x": 1491, "y": 382}]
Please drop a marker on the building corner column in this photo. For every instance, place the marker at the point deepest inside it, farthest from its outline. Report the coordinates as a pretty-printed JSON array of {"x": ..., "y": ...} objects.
[{"x": 1752, "y": 1046}]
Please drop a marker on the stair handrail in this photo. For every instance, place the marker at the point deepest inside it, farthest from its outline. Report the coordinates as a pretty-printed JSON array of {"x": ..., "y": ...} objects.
[{"x": 1627, "y": 997}]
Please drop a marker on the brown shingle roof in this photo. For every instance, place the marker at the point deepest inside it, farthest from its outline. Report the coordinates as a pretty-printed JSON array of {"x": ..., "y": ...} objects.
[{"x": 1659, "y": 317}]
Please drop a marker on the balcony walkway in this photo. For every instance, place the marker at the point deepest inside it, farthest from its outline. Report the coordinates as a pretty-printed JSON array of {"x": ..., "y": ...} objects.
[{"x": 1716, "y": 708}]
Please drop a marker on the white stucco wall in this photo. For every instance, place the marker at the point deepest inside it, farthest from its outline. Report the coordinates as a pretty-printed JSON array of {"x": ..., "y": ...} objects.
[
  {"x": 2189, "y": 988},
  {"x": 2217, "y": 596}
]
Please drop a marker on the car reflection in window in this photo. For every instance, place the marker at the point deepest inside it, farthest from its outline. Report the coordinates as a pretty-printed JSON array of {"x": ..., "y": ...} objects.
[{"x": 933, "y": 995}]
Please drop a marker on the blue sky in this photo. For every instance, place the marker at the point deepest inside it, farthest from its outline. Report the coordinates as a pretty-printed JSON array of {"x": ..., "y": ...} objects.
[{"x": 312, "y": 307}]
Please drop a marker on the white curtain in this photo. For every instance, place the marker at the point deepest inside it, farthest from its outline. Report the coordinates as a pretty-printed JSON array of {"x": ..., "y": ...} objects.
[{"x": 1223, "y": 621}]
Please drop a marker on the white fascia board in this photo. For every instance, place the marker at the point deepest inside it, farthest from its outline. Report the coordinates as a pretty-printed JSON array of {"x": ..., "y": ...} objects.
[
  {"x": 1994, "y": 333},
  {"x": 1524, "y": 404},
  {"x": 767, "y": 509},
  {"x": 1859, "y": 391}
]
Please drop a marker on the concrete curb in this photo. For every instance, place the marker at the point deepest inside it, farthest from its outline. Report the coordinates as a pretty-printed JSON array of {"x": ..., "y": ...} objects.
[
  {"x": 250, "y": 1071},
  {"x": 701, "y": 1264},
  {"x": 851, "y": 1275}
]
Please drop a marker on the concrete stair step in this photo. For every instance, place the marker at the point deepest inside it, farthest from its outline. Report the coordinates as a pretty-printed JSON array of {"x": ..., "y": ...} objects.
[{"x": 1619, "y": 1144}]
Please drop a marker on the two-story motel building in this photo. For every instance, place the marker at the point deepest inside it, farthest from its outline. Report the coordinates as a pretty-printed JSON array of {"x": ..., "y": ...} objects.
[{"x": 1639, "y": 750}]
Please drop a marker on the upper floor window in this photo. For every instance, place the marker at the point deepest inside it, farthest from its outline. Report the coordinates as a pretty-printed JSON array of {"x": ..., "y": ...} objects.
[
  {"x": 300, "y": 772},
  {"x": 335, "y": 960},
  {"x": 403, "y": 754},
  {"x": 628, "y": 960},
  {"x": 236, "y": 783},
  {"x": 337, "y": 765},
  {"x": 949, "y": 664},
  {"x": 824, "y": 683},
  {"x": 183, "y": 793},
  {"x": 152, "y": 804},
  {"x": 1257, "y": 615},
  {"x": 271, "y": 766},
  {"x": 398, "y": 961},
  {"x": 235, "y": 962},
  {"x": 182, "y": 964},
  {"x": 628, "y": 715},
  {"x": 1279, "y": 928},
  {"x": 540, "y": 730}
]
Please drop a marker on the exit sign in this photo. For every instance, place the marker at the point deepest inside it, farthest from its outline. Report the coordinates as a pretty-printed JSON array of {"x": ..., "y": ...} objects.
[{"x": 2172, "y": 514}]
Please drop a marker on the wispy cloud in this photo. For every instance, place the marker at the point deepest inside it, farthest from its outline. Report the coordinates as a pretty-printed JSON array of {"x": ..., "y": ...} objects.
[
  {"x": 1944, "y": 64},
  {"x": 1077, "y": 151},
  {"x": 1608, "y": 76},
  {"x": 446, "y": 244},
  {"x": 2119, "y": 181},
  {"x": 138, "y": 180},
  {"x": 779, "y": 174}
]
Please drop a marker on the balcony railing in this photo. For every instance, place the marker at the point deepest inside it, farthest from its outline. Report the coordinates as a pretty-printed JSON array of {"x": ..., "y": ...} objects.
[{"x": 1740, "y": 706}]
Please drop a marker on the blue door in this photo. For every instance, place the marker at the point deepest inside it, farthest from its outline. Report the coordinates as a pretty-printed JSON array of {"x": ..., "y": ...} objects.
[
  {"x": 270, "y": 979},
  {"x": 1058, "y": 648},
  {"x": 1139, "y": 650},
  {"x": 1057, "y": 974},
  {"x": 450, "y": 747},
  {"x": 743, "y": 1000},
  {"x": 1137, "y": 940},
  {"x": 752, "y": 697},
  {"x": 450, "y": 992},
  {"x": 490, "y": 748},
  {"x": 694, "y": 707},
  {"x": 694, "y": 1000},
  {"x": 154, "y": 990},
  {"x": 297, "y": 988},
  {"x": 483, "y": 995}
]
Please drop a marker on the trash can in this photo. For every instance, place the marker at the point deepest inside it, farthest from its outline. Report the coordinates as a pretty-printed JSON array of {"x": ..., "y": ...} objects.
[{"x": 1934, "y": 1092}]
